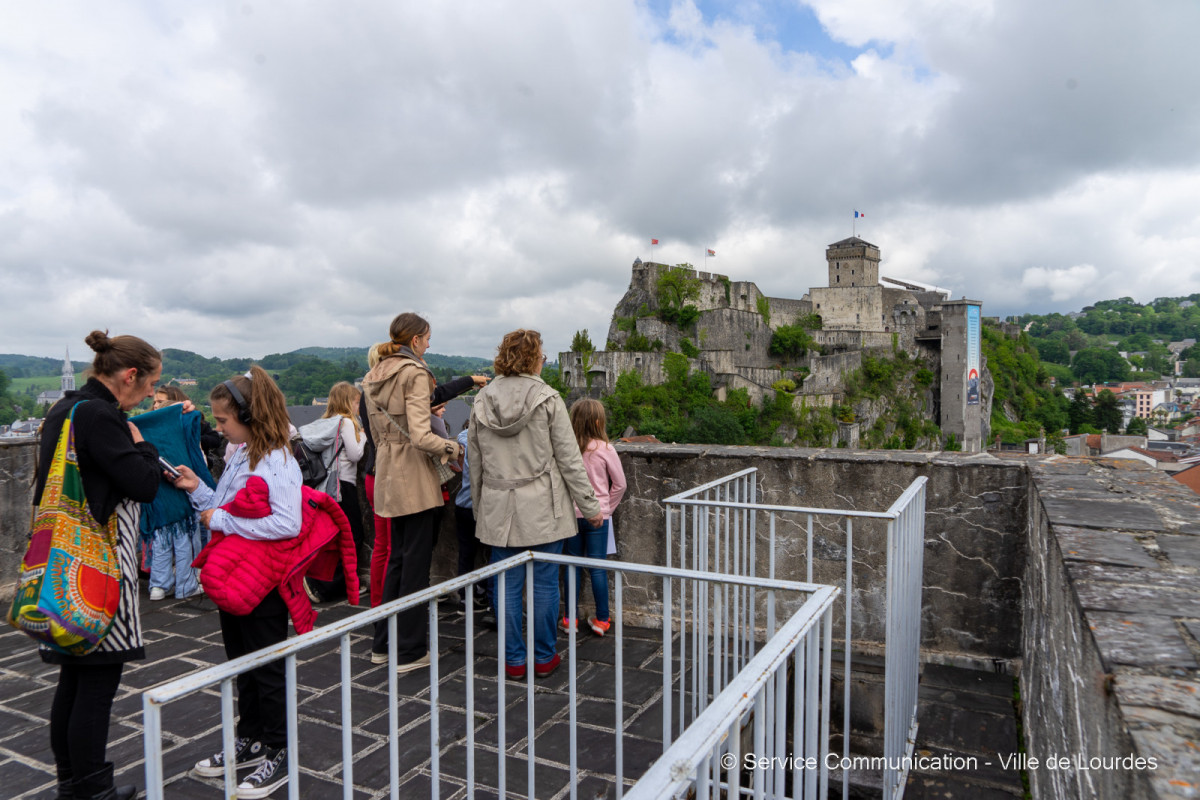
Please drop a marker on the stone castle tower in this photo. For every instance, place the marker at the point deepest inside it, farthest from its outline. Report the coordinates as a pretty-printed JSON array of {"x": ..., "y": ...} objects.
[
  {"x": 852, "y": 262},
  {"x": 853, "y": 300}
]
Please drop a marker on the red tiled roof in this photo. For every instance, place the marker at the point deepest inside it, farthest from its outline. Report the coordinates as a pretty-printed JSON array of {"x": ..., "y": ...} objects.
[
  {"x": 1157, "y": 455},
  {"x": 1189, "y": 477}
]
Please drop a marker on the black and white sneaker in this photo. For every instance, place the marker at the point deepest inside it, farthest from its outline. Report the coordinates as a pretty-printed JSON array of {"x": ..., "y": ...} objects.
[
  {"x": 249, "y": 754},
  {"x": 270, "y": 775}
]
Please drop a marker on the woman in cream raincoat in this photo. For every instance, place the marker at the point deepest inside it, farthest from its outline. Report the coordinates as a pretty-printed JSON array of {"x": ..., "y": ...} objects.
[{"x": 526, "y": 472}]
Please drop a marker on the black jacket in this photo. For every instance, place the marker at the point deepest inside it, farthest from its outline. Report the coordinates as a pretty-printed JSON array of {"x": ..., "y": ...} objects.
[{"x": 111, "y": 464}]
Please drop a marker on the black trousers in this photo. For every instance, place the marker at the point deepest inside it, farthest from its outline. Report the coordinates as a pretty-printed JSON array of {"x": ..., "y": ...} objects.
[
  {"x": 413, "y": 536},
  {"x": 262, "y": 692},
  {"x": 336, "y": 589},
  {"x": 468, "y": 545},
  {"x": 79, "y": 718}
]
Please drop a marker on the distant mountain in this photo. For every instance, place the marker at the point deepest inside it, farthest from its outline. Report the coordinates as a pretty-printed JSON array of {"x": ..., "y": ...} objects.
[
  {"x": 459, "y": 365},
  {"x": 17, "y": 366},
  {"x": 186, "y": 364}
]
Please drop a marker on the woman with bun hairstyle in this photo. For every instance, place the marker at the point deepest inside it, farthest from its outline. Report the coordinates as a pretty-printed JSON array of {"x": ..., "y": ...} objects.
[
  {"x": 119, "y": 471},
  {"x": 252, "y": 414},
  {"x": 407, "y": 488}
]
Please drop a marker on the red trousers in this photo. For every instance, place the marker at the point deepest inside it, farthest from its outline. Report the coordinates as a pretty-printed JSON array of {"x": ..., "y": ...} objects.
[{"x": 383, "y": 545}]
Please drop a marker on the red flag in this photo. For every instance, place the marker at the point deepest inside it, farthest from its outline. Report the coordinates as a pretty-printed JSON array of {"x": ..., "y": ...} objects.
[
  {"x": 654, "y": 241},
  {"x": 712, "y": 252}
]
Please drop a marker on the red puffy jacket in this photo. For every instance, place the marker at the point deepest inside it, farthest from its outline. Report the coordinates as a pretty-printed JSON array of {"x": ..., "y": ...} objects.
[{"x": 237, "y": 573}]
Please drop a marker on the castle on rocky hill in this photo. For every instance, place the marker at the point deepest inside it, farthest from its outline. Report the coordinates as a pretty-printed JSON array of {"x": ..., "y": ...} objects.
[{"x": 728, "y": 335}]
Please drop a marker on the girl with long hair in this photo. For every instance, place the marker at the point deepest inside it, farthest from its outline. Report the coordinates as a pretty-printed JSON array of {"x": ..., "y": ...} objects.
[
  {"x": 607, "y": 477},
  {"x": 252, "y": 414},
  {"x": 343, "y": 403}
]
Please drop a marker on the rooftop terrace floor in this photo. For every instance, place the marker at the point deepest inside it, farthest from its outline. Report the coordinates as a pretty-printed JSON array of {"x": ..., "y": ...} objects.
[{"x": 962, "y": 712}]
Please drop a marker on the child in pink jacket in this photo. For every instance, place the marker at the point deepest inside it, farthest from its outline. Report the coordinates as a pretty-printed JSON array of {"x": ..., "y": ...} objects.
[{"x": 608, "y": 481}]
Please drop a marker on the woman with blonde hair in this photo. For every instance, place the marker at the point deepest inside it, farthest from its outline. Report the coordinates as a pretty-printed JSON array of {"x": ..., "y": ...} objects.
[
  {"x": 349, "y": 446},
  {"x": 526, "y": 471},
  {"x": 407, "y": 487}
]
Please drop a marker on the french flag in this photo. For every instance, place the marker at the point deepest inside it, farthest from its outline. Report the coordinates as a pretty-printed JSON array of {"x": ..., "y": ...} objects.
[{"x": 857, "y": 215}]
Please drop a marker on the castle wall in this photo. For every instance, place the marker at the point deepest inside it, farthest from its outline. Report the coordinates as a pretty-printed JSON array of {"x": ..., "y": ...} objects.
[
  {"x": 717, "y": 362},
  {"x": 744, "y": 334},
  {"x": 786, "y": 311},
  {"x": 606, "y": 366},
  {"x": 743, "y": 295},
  {"x": 825, "y": 372},
  {"x": 763, "y": 375},
  {"x": 755, "y": 389},
  {"x": 858, "y": 308},
  {"x": 851, "y": 340}
]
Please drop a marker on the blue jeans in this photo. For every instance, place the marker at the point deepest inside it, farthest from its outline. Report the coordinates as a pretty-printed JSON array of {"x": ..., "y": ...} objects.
[
  {"x": 171, "y": 559},
  {"x": 591, "y": 543},
  {"x": 545, "y": 605}
]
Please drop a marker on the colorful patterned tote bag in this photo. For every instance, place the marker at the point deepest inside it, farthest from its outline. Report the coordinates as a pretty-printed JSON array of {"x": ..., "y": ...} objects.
[{"x": 69, "y": 583}]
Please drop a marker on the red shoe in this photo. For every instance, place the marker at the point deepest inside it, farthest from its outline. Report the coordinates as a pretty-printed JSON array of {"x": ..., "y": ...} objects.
[
  {"x": 516, "y": 673},
  {"x": 565, "y": 625},
  {"x": 543, "y": 670},
  {"x": 599, "y": 626}
]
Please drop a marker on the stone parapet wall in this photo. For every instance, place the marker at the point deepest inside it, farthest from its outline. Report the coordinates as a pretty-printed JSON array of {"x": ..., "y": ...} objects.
[
  {"x": 17, "y": 459},
  {"x": 975, "y": 537},
  {"x": 1111, "y": 643}
]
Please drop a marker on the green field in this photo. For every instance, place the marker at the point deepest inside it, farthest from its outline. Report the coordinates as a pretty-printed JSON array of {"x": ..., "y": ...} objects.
[{"x": 41, "y": 384}]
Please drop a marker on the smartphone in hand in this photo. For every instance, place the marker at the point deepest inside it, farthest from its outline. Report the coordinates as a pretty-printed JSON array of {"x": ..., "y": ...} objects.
[{"x": 168, "y": 468}]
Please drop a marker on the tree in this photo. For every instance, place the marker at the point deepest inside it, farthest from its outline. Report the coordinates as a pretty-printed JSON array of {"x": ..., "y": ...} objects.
[
  {"x": 1137, "y": 427},
  {"x": 791, "y": 341},
  {"x": 1054, "y": 351},
  {"x": 1080, "y": 413},
  {"x": 1098, "y": 365},
  {"x": 8, "y": 405},
  {"x": 553, "y": 378},
  {"x": 582, "y": 343},
  {"x": 1107, "y": 412},
  {"x": 676, "y": 286}
]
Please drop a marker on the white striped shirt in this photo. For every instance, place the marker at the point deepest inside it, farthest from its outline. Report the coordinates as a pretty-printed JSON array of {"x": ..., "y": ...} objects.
[{"x": 282, "y": 474}]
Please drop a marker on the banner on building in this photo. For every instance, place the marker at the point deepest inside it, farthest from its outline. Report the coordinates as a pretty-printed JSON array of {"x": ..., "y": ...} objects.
[{"x": 972, "y": 355}]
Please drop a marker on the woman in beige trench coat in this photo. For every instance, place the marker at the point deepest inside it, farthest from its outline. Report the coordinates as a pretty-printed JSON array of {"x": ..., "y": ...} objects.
[{"x": 407, "y": 488}]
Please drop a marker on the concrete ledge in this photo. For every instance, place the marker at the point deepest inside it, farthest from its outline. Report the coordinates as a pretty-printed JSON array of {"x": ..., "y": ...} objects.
[{"x": 1112, "y": 660}]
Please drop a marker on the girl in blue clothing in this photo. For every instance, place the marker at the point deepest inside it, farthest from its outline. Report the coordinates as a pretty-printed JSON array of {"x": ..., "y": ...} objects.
[{"x": 175, "y": 546}]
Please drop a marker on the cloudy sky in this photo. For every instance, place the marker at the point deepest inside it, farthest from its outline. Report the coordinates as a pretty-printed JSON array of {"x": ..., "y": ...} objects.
[{"x": 240, "y": 178}]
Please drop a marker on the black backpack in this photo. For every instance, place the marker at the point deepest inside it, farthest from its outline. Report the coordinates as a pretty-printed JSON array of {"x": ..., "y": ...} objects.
[{"x": 312, "y": 469}]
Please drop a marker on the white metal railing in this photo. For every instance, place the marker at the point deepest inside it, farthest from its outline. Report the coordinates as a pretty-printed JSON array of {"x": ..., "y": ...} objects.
[
  {"x": 715, "y": 528},
  {"x": 712, "y": 744},
  {"x": 702, "y": 616}
]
